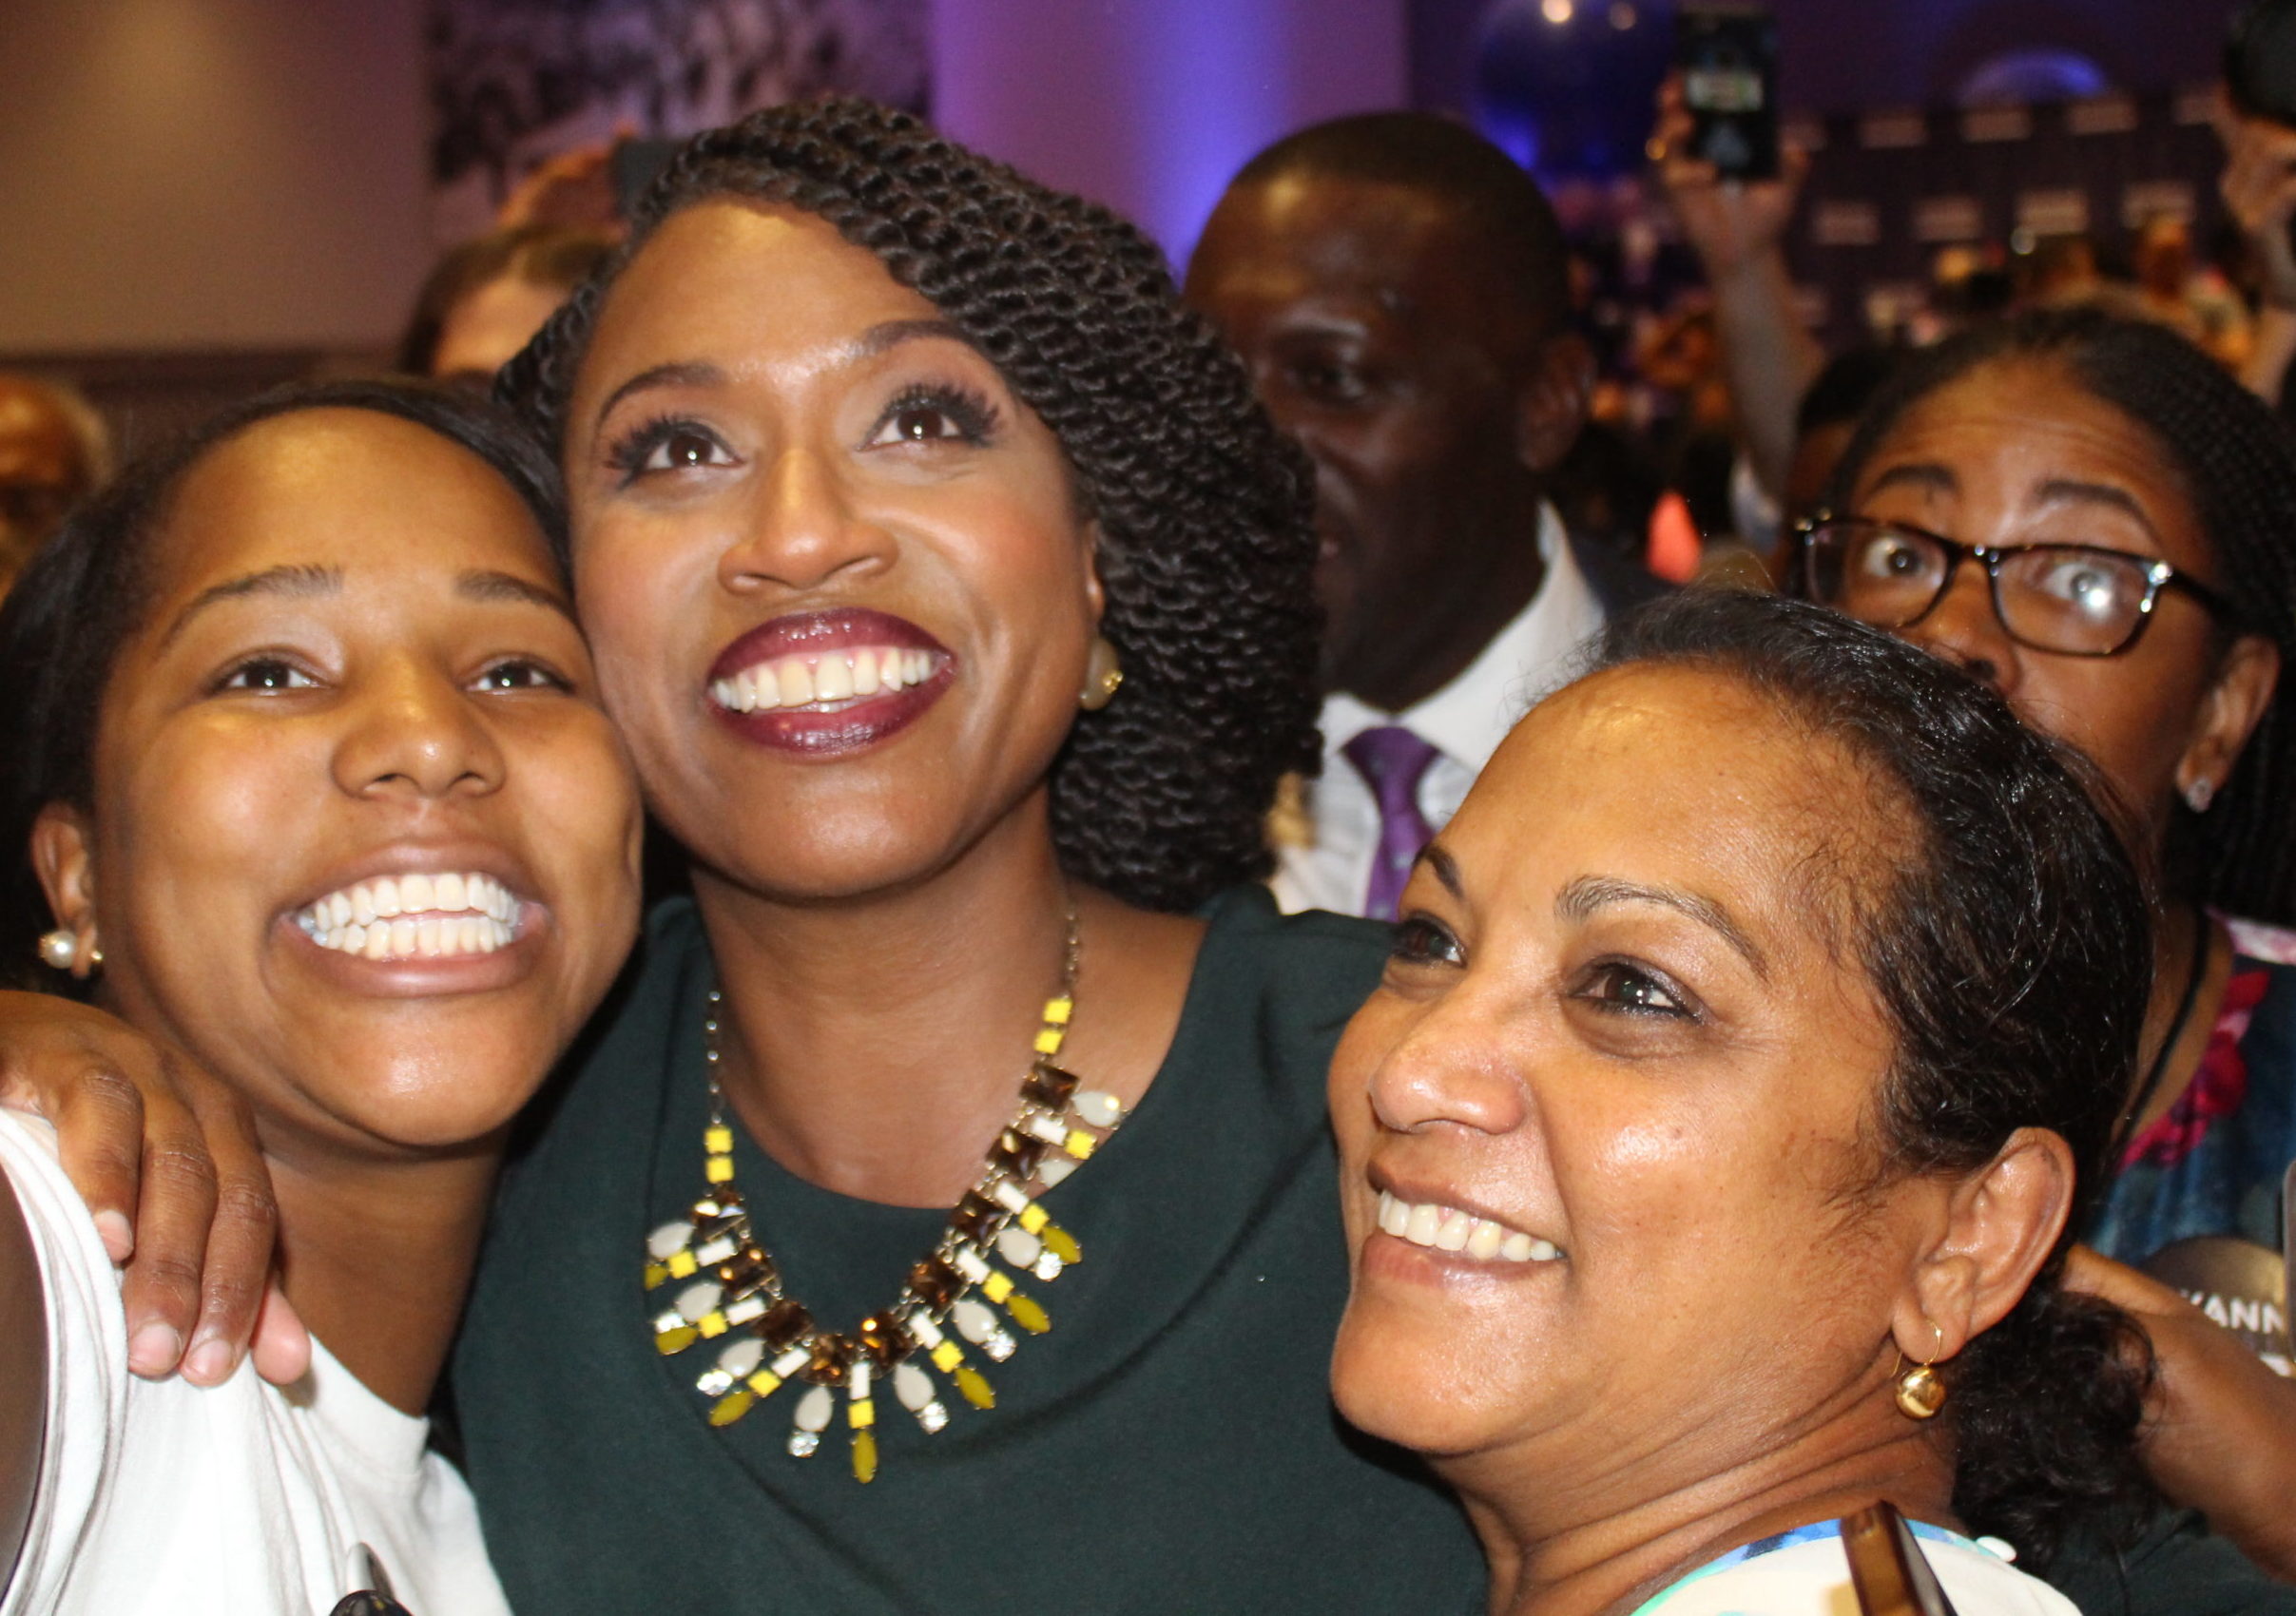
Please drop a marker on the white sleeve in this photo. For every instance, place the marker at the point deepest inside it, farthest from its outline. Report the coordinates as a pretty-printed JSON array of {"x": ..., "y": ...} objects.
[{"x": 87, "y": 1363}]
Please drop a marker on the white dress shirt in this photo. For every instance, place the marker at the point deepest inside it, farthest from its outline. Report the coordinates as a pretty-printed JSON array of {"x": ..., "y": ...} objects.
[{"x": 1330, "y": 866}]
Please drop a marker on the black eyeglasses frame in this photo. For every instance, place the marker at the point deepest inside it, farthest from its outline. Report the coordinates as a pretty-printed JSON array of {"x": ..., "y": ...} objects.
[{"x": 2159, "y": 575}]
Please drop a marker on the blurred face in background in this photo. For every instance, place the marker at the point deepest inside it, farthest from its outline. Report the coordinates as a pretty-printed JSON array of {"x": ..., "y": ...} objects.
[
  {"x": 44, "y": 471},
  {"x": 1385, "y": 344}
]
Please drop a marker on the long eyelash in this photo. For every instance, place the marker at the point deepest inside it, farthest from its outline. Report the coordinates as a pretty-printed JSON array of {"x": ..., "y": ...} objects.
[
  {"x": 973, "y": 413},
  {"x": 629, "y": 452}
]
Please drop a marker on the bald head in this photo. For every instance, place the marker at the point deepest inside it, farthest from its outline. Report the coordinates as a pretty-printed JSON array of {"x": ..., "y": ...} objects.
[
  {"x": 1505, "y": 224},
  {"x": 1399, "y": 291}
]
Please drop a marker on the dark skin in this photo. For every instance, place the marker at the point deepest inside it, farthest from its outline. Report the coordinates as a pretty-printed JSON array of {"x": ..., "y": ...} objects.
[
  {"x": 1431, "y": 399},
  {"x": 832, "y": 448},
  {"x": 359, "y": 662},
  {"x": 2018, "y": 453}
]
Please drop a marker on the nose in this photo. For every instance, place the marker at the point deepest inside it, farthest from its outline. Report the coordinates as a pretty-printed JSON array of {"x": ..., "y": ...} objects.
[
  {"x": 1449, "y": 1069},
  {"x": 803, "y": 531},
  {"x": 416, "y": 733},
  {"x": 1964, "y": 628}
]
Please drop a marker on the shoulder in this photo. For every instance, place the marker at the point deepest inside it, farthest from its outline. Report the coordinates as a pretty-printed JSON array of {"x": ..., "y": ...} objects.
[
  {"x": 1315, "y": 960},
  {"x": 63, "y": 1368},
  {"x": 1811, "y": 1577},
  {"x": 2177, "y": 1568}
]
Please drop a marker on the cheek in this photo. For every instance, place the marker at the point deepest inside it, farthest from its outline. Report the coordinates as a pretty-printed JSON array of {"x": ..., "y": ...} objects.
[{"x": 2131, "y": 714}]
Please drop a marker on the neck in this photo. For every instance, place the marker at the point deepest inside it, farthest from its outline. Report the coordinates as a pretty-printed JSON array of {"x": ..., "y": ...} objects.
[
  {"x": 875, "y": 1044},
  {"x": 1403, "y": 669},
  {"x": 1640, "y": 1522},
  {"x": 2192, "y": 955},
  {"x": 376, "y": 1259}
]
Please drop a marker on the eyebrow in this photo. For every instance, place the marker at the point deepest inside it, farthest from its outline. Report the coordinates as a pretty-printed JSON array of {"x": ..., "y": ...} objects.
[
  {"x": 1582, "y": 897},
  {"x": 1445, "y": 867},
  {"x": 304, "y": 582},
  {"x": 1926, "y": 477},
  {"x": 878, "y": 339},
  {"x": 487, "y": 586},
  {"x": 2072, "y": 491}
]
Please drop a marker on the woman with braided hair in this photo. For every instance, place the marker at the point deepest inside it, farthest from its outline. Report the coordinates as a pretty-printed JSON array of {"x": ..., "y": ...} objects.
[
  {"x": 943, "y": 1216},
  {"x": 2089, "y": 515}
]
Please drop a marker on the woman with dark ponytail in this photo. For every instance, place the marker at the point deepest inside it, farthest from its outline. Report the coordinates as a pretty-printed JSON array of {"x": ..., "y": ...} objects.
[
  {"x": 1769, "y": 1000},
  {"x": 2088, "y": 515}
]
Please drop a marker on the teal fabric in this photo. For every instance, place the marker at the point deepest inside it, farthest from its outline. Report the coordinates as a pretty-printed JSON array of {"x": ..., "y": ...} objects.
[{"x": 1169, "y": 1447}]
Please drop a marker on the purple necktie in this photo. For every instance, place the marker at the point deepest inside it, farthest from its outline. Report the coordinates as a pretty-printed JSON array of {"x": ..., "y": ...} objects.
[{"x": 1392, "y": 761}]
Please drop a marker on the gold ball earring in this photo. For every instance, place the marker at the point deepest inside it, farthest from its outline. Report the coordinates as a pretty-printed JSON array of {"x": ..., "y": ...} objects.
[
  {"x": 1103, "y": 673},
  {"x": 1920, "y": 1390}
]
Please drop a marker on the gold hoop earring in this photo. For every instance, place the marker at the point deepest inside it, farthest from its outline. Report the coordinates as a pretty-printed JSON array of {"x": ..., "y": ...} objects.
[
  {"x": 1920, "y": 1390},
  {"x": 1101, "y": 675}
]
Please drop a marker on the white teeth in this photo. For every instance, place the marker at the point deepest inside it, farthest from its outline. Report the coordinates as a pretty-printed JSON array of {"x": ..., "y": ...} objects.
[
  {"x": 414, "y": 916},
  {"x": 829, "y": 676},
  {"x": 1448, "y": 1228}
]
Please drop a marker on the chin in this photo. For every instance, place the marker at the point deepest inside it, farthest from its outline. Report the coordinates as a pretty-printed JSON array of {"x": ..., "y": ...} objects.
[{"x": 1417, "y": 1388}]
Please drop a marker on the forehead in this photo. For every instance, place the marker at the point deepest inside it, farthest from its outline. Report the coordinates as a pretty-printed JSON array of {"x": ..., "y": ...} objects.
[
  {"x": 1679, "y": 776},
  {"x": 1305, "y": 238},
  {"x": 350, "y": 489},
  {"x": 2011, "y": 426},
  {"x": 726, "y": 279}
]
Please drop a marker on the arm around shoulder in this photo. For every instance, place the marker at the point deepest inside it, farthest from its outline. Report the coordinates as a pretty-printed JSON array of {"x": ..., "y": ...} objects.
[{"x": 23, "y": 1377}]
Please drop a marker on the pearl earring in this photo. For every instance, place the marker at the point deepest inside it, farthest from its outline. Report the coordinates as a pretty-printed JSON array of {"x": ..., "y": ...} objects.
[
  {"x": 2200, "y": 794},
  {"x": 1101, "y": 675},
  {"x": 60, "y": 949}
]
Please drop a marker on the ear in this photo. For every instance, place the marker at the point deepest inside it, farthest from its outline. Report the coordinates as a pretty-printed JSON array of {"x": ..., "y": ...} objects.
[
  {"x": 63, "y": 856},
  {"x": 1550, "y": 405},
  {"x": 1095, "y": 596},
  {"x": 2230, "y": 712},
  {"x": 2000, "y": 1224}
]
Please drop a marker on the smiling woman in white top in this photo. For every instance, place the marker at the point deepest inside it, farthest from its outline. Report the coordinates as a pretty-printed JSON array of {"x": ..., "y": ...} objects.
[
  {"x": 1750, "y": 1042},
  {"x": 303, "y": 745}
]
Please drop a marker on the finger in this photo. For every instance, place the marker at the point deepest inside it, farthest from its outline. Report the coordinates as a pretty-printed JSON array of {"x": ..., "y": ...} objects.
[
  {"x": 100, "y": 1141},
  {"x": 283, "y": 1346},
  {"x": 241, "y": 1242},
  {"x": 162, "y": 1290}
]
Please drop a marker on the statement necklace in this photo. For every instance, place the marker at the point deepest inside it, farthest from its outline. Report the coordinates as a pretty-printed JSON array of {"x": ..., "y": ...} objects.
[{"x": 734, "y": 1289}]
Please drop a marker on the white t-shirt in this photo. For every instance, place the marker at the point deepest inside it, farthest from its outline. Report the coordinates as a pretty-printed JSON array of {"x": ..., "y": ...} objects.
[
  {"x": 245, "y": 1499},
  {"x": 1805, "y": 1572}
]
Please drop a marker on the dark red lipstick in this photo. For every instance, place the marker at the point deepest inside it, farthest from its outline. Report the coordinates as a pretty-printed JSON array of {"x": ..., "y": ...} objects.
[{"x": 856, "y": 717}]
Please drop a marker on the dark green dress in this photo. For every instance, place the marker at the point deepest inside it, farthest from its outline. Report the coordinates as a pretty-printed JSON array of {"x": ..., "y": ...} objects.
[{"x": 1168, "y": 1447}]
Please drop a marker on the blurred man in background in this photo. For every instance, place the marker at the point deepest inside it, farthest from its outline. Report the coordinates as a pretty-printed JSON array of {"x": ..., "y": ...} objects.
[{"x": 1398, "y": 288}]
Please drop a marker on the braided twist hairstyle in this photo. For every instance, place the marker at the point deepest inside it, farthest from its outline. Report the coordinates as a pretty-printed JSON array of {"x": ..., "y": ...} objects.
[
  {"x": 2238, "y": 462},
  {"x": 1206, "y": 551}
]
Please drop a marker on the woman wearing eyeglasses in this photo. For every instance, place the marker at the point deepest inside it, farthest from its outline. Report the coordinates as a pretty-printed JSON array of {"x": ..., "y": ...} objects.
[{"x": 2087, "y": 515}]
